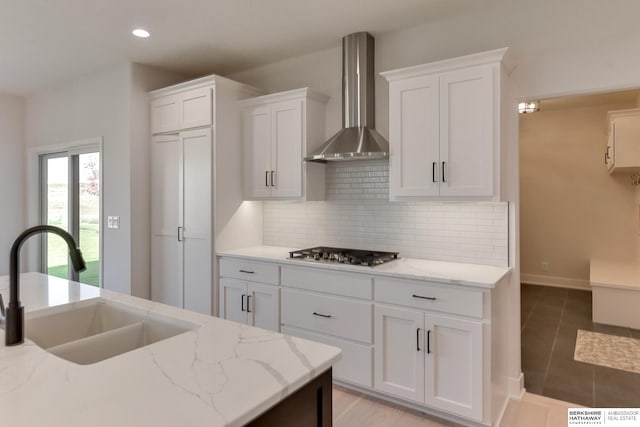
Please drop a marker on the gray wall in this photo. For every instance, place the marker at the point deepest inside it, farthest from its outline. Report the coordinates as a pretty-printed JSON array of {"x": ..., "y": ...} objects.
[{"x": 11, "y": 174}]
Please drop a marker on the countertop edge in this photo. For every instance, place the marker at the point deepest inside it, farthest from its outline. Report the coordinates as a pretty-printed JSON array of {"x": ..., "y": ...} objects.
[{"x": 247, "y": 253}]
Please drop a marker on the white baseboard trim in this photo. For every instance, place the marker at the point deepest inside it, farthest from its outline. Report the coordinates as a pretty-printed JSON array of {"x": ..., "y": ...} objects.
[
  {"x": 516, "y": 387},
  {"x": 559, "y": 282}
]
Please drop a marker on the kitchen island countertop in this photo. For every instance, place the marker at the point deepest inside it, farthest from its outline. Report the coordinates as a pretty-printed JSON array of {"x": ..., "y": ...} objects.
[
  {"x": 220, "y": 374},
  {"x": 483, "y": 276}
]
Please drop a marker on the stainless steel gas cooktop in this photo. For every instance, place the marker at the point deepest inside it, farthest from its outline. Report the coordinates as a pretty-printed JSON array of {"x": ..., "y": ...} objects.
[{"x": 344, "y": 256}]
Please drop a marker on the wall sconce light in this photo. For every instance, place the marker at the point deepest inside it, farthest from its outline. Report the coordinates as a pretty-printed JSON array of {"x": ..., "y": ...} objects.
[{"x": 528, "y": 107}]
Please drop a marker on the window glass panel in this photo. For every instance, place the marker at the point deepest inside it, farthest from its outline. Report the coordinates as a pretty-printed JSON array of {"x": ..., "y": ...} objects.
[
  {"x": 57, "y": 213},
  {"x": 89, "y": 215}
]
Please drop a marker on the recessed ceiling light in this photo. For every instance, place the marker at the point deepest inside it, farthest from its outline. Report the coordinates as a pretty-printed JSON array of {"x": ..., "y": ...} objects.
[{"x": 139, "y": 32}]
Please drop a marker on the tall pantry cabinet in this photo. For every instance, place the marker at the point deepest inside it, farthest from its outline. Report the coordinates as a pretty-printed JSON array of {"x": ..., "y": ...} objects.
[{"x": 195, "y": 127}]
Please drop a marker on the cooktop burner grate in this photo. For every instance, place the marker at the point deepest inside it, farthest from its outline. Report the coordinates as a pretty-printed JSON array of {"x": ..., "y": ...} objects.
[{"x": 344, "y": 256}]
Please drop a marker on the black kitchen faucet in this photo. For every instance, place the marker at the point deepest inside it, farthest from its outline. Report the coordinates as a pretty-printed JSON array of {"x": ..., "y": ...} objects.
[{"x": 14, "y": 332}]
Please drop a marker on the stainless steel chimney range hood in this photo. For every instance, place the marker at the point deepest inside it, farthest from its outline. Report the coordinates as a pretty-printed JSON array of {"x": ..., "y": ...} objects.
[{"x": 357, "y": 140}]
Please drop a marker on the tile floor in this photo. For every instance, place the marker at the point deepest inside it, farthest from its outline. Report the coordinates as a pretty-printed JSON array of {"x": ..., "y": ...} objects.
[{"x": 550, "y": 318}]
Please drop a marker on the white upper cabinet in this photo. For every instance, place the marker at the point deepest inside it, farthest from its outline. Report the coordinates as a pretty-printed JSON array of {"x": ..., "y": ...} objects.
[
  {"x": 623, "y": 144},
  {"x": 466, "y": 132},
  {"x": 184, "y": 110},
  {"x": 413, "y": 163},
  {"x": 279, "y": 130},
  {"x": 444, "y": 128}
]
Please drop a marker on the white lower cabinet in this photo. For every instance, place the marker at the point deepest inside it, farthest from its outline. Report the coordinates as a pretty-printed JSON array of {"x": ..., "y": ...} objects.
[
  {"x": 431, "y": 359},
  {"x": 355, "y": 365},
  {"x": 251, "y": 303},
  {"x": 454, "y": 364},
  {"x": 429, "y": 344},
  {"x": 319, "y": 305}
]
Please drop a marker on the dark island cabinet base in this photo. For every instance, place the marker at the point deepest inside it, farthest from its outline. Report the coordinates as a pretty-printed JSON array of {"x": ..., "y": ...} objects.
[{"x": 308, "y": 407}]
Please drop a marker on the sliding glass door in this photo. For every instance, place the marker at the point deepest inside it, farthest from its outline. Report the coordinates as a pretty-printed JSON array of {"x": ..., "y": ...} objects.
[{"x": 70, "y": 189}]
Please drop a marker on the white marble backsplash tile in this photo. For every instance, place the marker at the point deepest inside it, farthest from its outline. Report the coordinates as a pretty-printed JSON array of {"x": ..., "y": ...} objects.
[{"x": 358, "y": 214}]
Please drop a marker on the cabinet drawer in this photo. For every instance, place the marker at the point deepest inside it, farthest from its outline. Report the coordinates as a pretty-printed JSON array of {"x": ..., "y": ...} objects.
[
  {"x": 356, "y": 363},
  {"x": 314, "y": 279},
  {"x": 249, "y": 270},
  {"x": 425, "y": 295},
  {"x": 339, "y": 317}
]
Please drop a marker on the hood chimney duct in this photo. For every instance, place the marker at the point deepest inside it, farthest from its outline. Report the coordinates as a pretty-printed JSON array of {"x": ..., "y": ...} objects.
[{"x": 357, "y": 140}]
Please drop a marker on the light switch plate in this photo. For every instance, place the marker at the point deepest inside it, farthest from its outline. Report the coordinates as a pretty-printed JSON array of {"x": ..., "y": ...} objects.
[{"x": 113, "y": 222}]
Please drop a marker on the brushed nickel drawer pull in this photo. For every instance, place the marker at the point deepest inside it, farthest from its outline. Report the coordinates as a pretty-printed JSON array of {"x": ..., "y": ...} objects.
[
  {"x": 322, "y": 315},
  {"x": 421, "y": 297}
]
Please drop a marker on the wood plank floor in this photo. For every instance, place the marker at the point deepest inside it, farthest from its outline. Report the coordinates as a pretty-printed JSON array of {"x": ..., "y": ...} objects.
[{"x": 352, "y": 409}]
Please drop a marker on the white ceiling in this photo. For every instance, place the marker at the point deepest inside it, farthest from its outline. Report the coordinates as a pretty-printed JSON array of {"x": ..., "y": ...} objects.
[{"x": 46, "y": 42}]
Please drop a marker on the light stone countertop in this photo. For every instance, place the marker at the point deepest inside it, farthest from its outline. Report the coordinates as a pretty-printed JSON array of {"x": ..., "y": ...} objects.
[
  {"x": 220, "y": 374},
  {"x": 484, "y": 276}
]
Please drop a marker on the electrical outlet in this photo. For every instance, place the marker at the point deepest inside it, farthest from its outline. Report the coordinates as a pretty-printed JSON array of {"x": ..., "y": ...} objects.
[{"x": 544, "y": 266}]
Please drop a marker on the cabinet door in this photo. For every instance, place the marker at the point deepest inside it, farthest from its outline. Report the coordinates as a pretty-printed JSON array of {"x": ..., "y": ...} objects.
[
  {"x": 286, "y": 157},
  {"x": 195, "y": 108},
  {"x": 166, "y": 217},
  {"x": 626, "y": 150},
  {"x": 466, "y": 132},
  {"x": 454, "y": 362},
  {"x": 257, "y": 145},
  {"x": 414, "y": 159},
  {"x": 233, "y": 300},
  {"x": 165, "y": 114},
  {"x": 197, "y": 220},
  {"x": 264, "y": 306},
  {"x": 399, "y": 352}
]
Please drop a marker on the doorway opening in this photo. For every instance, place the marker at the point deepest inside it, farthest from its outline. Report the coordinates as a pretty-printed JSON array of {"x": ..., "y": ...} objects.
[
  {"x": 573, "y": 211},
  {"x": 70, "y": 199}
]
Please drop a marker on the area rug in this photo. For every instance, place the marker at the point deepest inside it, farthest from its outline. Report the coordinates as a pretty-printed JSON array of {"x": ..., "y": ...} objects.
[{"x": 608, "y": 350}]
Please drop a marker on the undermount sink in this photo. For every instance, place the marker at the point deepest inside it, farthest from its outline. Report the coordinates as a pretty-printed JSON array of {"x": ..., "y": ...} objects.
[{"x": 86, "y": 333}]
